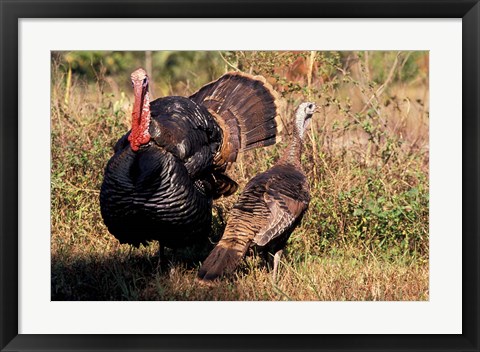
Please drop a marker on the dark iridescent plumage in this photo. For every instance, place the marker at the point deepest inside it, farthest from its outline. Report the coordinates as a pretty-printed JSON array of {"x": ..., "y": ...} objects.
[{"x": 163, "y": 189}]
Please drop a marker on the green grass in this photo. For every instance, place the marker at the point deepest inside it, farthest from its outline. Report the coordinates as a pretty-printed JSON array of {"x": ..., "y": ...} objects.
[{"x": 364, "y": 237}]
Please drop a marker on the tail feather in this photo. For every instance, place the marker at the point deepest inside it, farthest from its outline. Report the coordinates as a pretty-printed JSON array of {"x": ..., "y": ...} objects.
[
  {"x": 225, "y": 257},
  {"x": 248, "y": 110}
]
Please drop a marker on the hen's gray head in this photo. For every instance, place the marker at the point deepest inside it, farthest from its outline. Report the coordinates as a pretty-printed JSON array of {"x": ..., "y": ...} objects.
[{"x": 303, "y": 116}]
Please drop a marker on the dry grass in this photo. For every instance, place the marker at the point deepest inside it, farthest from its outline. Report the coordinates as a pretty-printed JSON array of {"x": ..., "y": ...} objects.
[
  {"x": 365, "y": 236},
  {"x": 116, "y": 274}
]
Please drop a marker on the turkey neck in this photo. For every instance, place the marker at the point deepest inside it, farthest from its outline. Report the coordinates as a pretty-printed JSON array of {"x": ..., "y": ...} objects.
[
  {"x": 140, "y": 117},
  {"x": 294, "y": 152}
]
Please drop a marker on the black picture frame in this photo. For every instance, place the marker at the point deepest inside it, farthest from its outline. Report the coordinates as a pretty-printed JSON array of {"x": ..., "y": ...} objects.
[{"x": 11, "y": 11}]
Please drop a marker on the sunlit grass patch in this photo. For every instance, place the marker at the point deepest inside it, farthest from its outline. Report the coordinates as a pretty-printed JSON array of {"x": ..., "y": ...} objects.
[{"x": 364, "y": 237}]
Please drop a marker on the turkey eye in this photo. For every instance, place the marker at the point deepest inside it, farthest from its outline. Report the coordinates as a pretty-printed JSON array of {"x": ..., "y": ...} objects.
[
  {"x": 133, "y": 84},
  {"x": 145, "y": 82},
  {"x": 310, "y": 106}
]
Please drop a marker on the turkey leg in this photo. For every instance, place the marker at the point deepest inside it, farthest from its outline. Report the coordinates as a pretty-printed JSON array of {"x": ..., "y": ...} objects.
[{"x": 276, "y": 260}]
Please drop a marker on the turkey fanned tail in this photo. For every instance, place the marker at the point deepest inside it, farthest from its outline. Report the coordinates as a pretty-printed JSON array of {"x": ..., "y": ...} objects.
[{"x": 247, "y": 109}]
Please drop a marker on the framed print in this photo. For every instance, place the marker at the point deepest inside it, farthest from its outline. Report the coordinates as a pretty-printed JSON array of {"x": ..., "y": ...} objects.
[{"x": 191, "y": 176}]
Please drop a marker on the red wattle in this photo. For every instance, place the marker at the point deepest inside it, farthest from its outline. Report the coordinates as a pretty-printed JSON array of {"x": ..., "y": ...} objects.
[{"x": 139, "y": 134}]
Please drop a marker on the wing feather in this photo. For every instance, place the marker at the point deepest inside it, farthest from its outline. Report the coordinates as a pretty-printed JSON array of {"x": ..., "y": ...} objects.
[{"x": 284, "y": 211}]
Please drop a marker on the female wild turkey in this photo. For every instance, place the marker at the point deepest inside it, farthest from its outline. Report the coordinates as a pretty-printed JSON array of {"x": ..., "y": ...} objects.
[
  {"x": 160, "y": 183},
  {"x": 268, "y": 210}
]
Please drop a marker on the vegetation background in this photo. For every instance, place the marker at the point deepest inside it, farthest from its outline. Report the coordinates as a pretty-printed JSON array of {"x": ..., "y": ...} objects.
[{"x": 365, "y": 235}]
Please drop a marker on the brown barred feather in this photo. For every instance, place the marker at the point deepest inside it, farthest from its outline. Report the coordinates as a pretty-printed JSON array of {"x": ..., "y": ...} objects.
[
  {"x": 268, "y": 210},
  {"x": 237, "y": 238}
]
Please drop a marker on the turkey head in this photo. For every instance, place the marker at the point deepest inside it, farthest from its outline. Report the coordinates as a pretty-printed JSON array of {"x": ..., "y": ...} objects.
[
  {"x": 141, "y": 110},
  {"x": 303, "y": 116}
]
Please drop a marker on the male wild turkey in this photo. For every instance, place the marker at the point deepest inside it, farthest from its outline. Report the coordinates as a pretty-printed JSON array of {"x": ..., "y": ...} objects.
[
  {"x": 268, "y": 210},
  {"x": 160, "y": 183}
]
